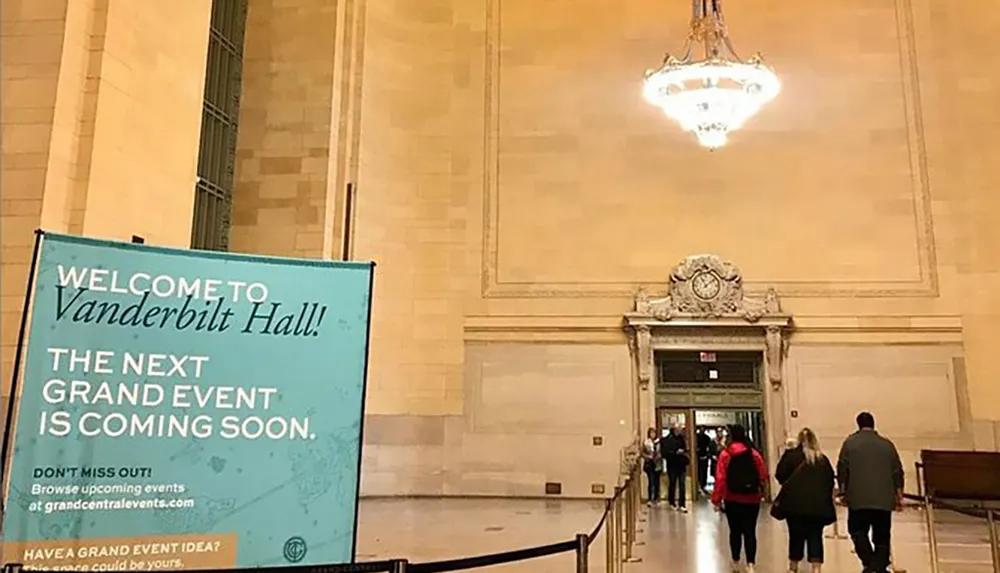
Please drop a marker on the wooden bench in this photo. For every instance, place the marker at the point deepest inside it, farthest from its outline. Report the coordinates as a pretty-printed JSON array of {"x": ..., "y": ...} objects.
[{"x": 960, "y": 480}]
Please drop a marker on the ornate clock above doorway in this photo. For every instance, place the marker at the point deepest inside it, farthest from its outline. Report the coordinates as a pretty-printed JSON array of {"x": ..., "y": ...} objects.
[
  {"x": 705, "y": 293},
  {"x": 705, "y": 285}
]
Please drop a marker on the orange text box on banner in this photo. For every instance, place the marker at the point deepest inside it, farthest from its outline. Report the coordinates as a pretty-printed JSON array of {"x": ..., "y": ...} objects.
[{"x": 150, "y": 553}]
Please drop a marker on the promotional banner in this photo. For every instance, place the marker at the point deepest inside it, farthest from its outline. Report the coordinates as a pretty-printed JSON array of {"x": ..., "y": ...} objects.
[{"x": 188, "y": 410}]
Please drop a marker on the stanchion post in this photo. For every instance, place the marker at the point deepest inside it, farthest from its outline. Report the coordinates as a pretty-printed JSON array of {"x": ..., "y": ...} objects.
[
  {"x": 617, "y": 523},
  {"x": 399, "y": 565},
  {"x": 931, "y": 534},
  {"x": 609, "y": 537},
  {"x": 994, "y": 549},
  {"x": 631, "y": 509},
  {"x": 633, "y": 492},
  {"x": 638, "y": 494},
  {"x": 920, "y": 482},
  {"x": 582, "y": 552},
  {"x": 640, "y": 510}
]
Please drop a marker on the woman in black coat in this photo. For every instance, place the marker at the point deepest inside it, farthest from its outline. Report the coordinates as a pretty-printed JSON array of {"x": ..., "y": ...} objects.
[{"x": 806, "y": 499}]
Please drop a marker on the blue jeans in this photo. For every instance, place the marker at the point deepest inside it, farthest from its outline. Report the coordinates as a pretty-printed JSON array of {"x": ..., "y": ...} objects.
[{"x": 653, "y": 483}]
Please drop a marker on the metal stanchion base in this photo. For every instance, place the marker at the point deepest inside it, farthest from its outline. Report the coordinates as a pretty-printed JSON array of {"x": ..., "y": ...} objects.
[{"x": 634, "y": 560}]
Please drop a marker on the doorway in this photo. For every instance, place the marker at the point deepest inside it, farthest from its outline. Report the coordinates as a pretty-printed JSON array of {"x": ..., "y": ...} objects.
[
  {"x": 706, "y": 392},
  {"x": 706, "y": 433}
]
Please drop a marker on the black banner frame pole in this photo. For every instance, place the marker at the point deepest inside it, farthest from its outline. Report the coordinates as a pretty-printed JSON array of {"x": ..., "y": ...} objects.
[
  {"x": 16, "y": 375},
  {"x": 361, "y": 421}
]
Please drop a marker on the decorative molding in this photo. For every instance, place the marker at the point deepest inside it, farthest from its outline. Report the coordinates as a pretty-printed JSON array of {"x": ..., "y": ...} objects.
[
  {"x": 682, "y": 397},
  {"x": 719, "y": 341},
  {"x": 644, "y": 354},
  {"x": 925, "y": 286},
  {"x": 705, "y": 299},
  {"x": 810, "y": 330},
  {"x": 629, "y": 457},
  {"x": 705, "y": 286}
]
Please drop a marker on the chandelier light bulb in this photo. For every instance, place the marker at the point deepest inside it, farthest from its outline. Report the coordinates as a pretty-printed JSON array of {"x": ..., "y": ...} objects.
[{"x": 717, "y": 93}]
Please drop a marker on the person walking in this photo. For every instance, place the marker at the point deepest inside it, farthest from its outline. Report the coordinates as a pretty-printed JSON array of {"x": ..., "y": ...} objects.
[
  {"x": 871, "y": 479},
  {"x": 673, "y": 448},
  {"x": 805, "y": 501},
  {"x": 652, "y": 465},
  {"x": 739, "y": 488}
]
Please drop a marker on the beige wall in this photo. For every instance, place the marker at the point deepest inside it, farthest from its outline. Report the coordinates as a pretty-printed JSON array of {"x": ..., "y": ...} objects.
[
  {"x": 513, "y": 179},
  {"x": 413, "y": 202},
  {"x": 101, "y": 111},
  {"x": 298, "y": 129},
  {"x": 514, "y": 189},
  {"x": 918, "y": 394},
  {"x": 531, "y": 417}
]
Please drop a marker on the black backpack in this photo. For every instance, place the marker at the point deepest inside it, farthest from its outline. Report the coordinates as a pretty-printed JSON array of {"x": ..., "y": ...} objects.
[{"x": 741, "y": 475}]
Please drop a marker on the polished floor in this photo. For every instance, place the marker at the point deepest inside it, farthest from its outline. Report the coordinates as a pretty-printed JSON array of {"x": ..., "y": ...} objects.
[{"x": 426, "y": 530}]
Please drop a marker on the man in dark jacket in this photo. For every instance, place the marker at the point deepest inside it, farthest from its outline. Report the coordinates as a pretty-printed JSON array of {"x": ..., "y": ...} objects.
[
  {"x": 870, "y": 475},
  {"x": 673, "y": 448}
]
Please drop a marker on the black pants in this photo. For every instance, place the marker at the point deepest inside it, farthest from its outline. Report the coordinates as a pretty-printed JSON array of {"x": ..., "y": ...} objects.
[
  {"x": 703, "y": 473},
  {"x": 742, "y": 518},
  {"x": 805, "y": 535},
  {"x": 676, "y": 485},
  {"x": 871, "y": 532},
  {"x": 653, "y": 483}
]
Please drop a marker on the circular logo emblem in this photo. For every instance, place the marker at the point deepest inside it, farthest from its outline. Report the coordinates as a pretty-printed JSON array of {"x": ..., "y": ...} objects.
[{"x": 295, "y": 549}]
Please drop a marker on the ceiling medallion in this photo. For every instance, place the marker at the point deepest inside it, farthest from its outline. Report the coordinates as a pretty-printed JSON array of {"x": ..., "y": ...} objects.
[{"x": 717, "y": 93}]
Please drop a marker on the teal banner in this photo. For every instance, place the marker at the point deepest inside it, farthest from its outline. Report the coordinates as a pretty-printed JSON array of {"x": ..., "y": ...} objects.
[{"x": 187, "y": 410}]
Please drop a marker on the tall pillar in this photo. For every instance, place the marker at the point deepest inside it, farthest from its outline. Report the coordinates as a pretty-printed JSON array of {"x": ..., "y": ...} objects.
[
  {"x": 95, "y": 140},
  {"x": 299, "y": 126}
]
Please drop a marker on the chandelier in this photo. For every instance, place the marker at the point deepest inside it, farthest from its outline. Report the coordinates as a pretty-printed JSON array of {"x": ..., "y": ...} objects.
[{"x": 716, "y": 93}]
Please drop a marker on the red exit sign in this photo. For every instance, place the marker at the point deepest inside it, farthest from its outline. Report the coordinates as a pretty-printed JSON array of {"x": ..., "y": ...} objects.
[{"x": 707, "y": 356}]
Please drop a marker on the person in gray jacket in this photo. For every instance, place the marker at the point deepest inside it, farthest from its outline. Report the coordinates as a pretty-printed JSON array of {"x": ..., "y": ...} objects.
[{"x": 870, "y": 476}]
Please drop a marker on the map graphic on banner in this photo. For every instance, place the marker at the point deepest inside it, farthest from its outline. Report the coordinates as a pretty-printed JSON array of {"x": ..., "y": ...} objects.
[{"x": 187, "y": 410}]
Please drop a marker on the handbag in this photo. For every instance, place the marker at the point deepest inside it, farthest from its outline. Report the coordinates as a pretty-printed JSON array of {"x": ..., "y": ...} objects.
[{"x": 776, "y": 510}]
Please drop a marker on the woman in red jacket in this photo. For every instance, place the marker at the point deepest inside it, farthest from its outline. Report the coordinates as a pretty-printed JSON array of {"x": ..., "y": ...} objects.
[{"x": 740, "y": 480}]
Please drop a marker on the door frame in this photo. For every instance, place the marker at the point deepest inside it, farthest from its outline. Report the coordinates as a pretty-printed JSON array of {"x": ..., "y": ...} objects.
[
  {"x": 723, "y": 318},
  {"x": 690, "y": 429},
  {"x": 765, "y": 451}
]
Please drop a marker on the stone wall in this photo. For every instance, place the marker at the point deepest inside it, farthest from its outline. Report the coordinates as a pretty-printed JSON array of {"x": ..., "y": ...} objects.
[
  {"x": 533, "y": 414},
  {"x": 516, "y": 183},
  {"x": 515, "y": 189},
  {"x": 298, "y": 127},
  {"x": 101, "y": 111}
]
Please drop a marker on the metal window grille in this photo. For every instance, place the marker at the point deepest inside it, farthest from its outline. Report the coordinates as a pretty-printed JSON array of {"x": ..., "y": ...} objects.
[{"x": 219, "y": 125}]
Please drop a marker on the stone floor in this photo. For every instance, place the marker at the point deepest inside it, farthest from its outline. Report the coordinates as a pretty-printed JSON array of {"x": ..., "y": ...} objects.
[{"x": 426, "y": 530}]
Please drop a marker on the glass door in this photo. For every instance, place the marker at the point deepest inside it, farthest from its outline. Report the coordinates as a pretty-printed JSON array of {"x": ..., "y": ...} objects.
[
  {"x": 753, "y": 421},
  {"x": 758, "y": 433}
]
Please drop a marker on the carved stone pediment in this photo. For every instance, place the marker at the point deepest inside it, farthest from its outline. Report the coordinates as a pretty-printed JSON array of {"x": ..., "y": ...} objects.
[
  {"x": 705, "y": 286},
  {"x": 705, "y": 291}
]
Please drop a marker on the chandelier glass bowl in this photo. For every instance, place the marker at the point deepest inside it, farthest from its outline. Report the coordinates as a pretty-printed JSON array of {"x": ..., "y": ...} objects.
[{"x": 716, "y": 92}]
